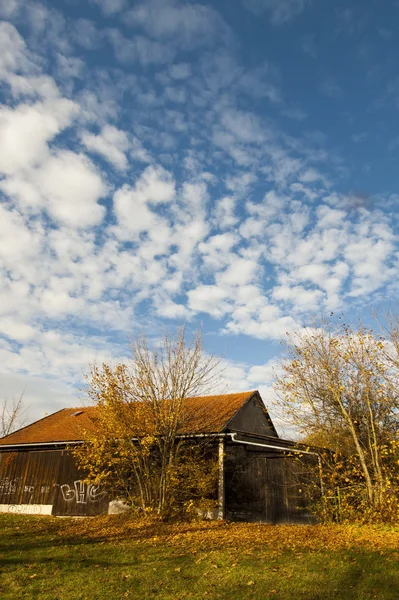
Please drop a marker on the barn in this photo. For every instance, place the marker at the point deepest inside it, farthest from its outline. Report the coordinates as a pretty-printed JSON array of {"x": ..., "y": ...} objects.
[{"x": 260, "y": 476}]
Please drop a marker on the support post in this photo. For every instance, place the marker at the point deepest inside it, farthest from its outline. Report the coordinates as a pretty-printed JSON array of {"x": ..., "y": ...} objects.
[{"x": 221, "y": 480}]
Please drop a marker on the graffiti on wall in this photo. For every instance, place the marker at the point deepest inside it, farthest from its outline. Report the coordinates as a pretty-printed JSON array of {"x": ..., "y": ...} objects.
[
  {"x": 81, "y": 492},
  {"x": 12, "y": 486},
  {"x": 29, "y": 509},
  {"x": 9, "y": 486}
]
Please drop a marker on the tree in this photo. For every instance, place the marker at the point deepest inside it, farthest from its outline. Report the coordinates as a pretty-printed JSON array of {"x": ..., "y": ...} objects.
[
  {"x": 341, "y": 386},
  {"x": 135, "y": 449},
  {"x": 11, "y": 412}
]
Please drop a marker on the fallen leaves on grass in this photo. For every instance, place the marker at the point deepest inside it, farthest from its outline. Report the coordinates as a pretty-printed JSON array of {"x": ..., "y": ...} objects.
[
  {"x": 205, "y": 536},
  {"x": 247, "y": 537}
]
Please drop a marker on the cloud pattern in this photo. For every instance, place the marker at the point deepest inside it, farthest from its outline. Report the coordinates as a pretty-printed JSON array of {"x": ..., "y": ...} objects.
[{"x": 149, "y": 176}]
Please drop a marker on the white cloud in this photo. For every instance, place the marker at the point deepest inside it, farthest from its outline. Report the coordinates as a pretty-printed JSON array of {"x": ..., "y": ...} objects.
[
  {"x": 110, "y": 7},
  {"x": 134, "y": 206},
  {"x": 236, "y": 223},
  {"x": 70, "y": 187},
  {"x": 111, "y": 143},
  {"x": 210, "y": 299},
  {"x": 15, "y": 330},
  {"x": 368, "y": 256},
  {"x": 187, "y": 25},
  {"x": 315, "y": 273},
  {"x": 224, "y": 213},
  {"x": 66, "y": 355},
  {"x": 180, "y": 71},
  {"x": 194, "y": 197},
  {"x": 138, "y": 152},
  {"x": 168, "y": 309},
  {"x": 244, "y": 126},
  {"x": 18, "y": 242},
  {"x": 261, "y": 82},
  {"x": 86, "y": 34},
  {"x": 264, "y": 328},
  {"x": 310, "y": 176},
  {"x": 9, "y": 8},
  {"x": 56, "y": 302},
  {"x": 13, "y": 52},
  {"x": 41, "y": 396},
  {"x": 132, "y": 212},
  {"x": 154, "y": 186},
  {"x": 281, "y": 11},
  {"x": 329, "y": 217},
  {"x": 241, "y": 272},
  {"x": 26, "y": 130},
  {"x": 70, "y": 66},
  {"x": 240, "y": 182},
  {"x": 63, "y": 183},
  {"x": 139, "y": 49},
  {"x": 217, "y": 250},
  {"x": 302, "y": 299}
]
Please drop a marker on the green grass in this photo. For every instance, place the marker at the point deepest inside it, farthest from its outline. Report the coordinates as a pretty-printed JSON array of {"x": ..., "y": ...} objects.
[{"x": 112, "y": 558}]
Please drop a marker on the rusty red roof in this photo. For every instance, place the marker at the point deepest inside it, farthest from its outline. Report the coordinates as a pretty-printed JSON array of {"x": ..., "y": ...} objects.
[{"x": 203, "y": 414}]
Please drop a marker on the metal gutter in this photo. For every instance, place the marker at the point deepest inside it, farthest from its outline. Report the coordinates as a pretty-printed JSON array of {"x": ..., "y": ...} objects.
[
  {"x": 265, "y": 445},
  {"x": 39, "y": 444},
  {"x": 75, "y": 442}
]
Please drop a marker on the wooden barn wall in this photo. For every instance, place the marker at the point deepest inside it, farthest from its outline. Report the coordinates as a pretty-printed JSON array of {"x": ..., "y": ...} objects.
[
  {"x": 39, "y": 478},
  {"x": 265, "y": 486}
]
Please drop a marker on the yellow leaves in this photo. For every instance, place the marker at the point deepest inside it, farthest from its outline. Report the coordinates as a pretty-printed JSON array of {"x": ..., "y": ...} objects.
[{"x": 200, "y": 539}]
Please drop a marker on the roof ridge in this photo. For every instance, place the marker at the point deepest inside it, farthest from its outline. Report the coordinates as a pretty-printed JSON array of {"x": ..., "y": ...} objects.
[{"x": 186, "y": 398}]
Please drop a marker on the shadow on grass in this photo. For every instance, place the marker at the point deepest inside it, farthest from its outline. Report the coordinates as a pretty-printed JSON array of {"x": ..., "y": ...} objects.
[{"x": 365, "y": 576}]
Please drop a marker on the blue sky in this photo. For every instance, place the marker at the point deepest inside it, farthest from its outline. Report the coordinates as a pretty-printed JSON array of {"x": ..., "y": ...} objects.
[{"x": 229, "y": 163}]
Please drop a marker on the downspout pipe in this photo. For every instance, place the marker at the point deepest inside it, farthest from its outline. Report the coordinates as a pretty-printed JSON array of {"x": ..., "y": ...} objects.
[{"x": 284, "y": 449}]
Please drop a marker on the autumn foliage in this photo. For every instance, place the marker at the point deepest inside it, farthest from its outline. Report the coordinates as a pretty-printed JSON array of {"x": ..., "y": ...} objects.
[
  {"x": 135, "y": 450},
  {"x": 341, "y": 386}
]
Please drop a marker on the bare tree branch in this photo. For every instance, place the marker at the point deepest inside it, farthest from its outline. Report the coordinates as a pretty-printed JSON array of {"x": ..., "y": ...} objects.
[{"x": 11, "y": 413}]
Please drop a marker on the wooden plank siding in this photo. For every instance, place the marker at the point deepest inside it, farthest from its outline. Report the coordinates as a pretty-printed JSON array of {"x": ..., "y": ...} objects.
[
  {"x": 257, "y": 484},
  {"x": 47, "y": 477},
  {"x": 264, "y": 485},
  {"x": 75, "y": 497}
]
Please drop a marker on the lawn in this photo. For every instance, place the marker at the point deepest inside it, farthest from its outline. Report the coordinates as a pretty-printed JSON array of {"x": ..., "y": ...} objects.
[{"x": 117, "y": 557}]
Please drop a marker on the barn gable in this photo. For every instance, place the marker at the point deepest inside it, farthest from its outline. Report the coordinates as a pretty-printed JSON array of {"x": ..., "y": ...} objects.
[{"x": 252, "y": 418}]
